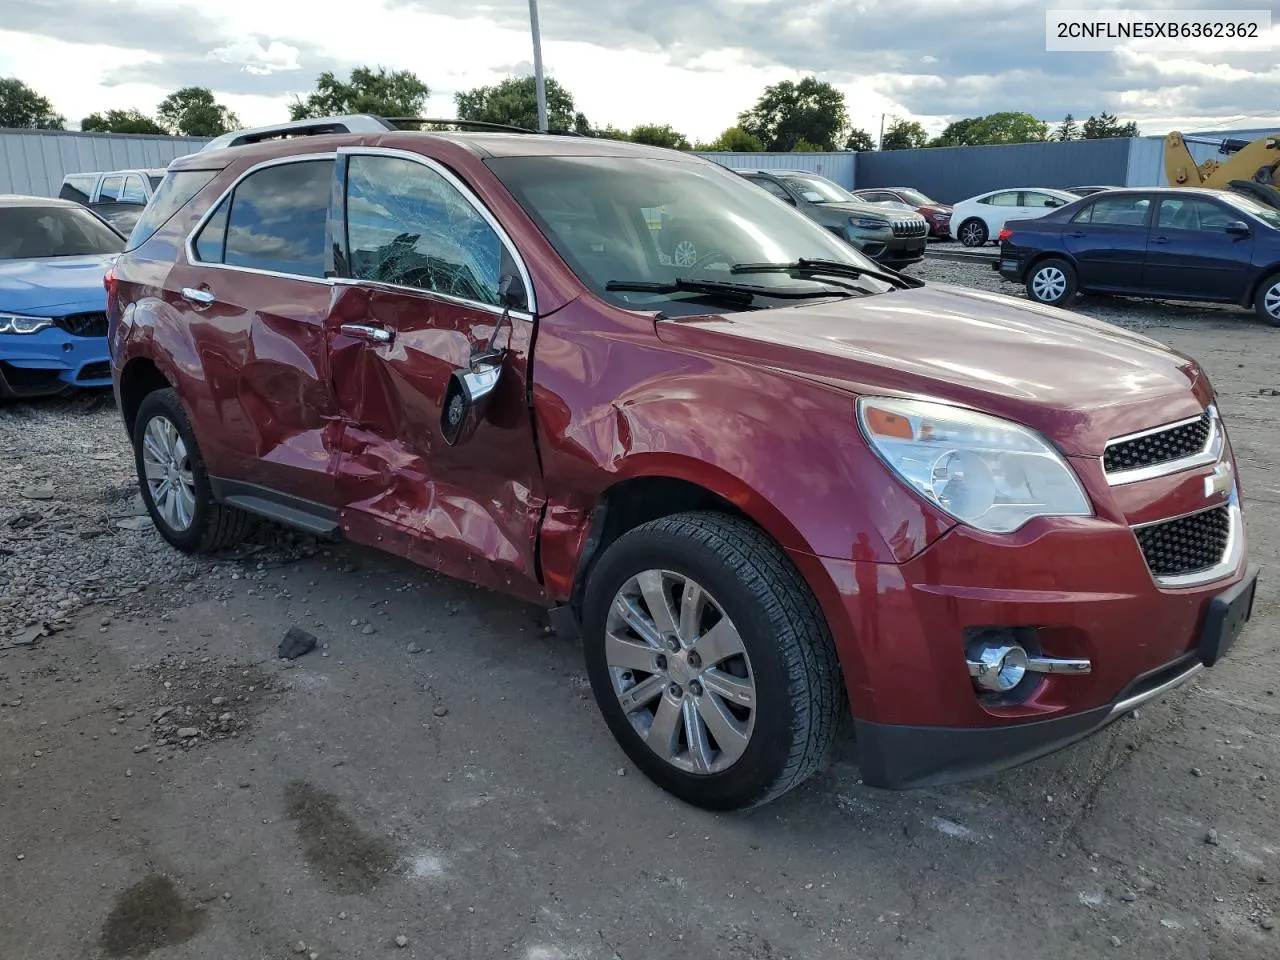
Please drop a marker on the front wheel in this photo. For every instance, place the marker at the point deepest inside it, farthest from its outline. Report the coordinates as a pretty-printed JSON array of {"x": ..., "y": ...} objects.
[
  {"x": 711, "y": 661},
  {"x": 1267, "y": 302},
  {"x": 973, "y": 233},
  {"x": 1051, "y": 282}
]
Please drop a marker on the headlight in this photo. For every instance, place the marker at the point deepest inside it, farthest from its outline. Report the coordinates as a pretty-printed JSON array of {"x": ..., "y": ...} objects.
[
  {"x": 868, "y": 223},
  {"x": 14, "y": 323},
  {"x": 986, "y": 472}
]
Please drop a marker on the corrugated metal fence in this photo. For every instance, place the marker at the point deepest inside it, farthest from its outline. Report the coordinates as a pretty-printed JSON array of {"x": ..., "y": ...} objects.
[
  {"x": 950, "y": 174},
  {"x": 35, "y": 161},
  {"x": 840, "y": 167}
]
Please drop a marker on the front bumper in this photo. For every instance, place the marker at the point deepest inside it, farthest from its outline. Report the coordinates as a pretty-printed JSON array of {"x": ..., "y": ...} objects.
[
  {"x": 900, "y": 756},
  {"x": 51, "y": 361}
]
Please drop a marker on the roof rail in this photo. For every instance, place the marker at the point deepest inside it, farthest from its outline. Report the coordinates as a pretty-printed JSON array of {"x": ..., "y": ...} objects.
[{"x": 356, "y": 123}]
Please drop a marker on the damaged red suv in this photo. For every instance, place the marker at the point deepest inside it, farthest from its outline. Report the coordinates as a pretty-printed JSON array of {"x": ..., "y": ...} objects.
[{"x": 773, "y": 489}]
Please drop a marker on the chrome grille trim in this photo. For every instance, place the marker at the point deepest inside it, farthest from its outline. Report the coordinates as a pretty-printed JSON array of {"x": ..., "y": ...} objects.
[
  {"x": 1210, "y": 453},
  {"x": 1231, "y": 554},
  {"x": 910, "y": 227}
]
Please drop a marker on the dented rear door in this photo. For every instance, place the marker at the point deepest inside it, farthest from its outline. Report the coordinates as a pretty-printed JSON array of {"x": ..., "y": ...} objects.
[{"x": 422, "y": 266}]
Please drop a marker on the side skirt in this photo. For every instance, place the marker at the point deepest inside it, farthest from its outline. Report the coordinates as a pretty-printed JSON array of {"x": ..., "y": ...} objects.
[{"x": 315, "y": 518}]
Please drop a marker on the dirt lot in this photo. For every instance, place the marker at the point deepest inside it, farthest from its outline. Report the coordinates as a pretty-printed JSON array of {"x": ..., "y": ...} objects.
[{"x": 437, "y": 772}]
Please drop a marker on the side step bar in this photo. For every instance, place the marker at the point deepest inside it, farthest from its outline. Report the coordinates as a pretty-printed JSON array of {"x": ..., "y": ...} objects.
[{"x": 297, "y": 512}]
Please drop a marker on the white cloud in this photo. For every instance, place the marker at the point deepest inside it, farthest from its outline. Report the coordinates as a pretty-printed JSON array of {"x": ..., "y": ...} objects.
[{"x": 257, "y": 59}]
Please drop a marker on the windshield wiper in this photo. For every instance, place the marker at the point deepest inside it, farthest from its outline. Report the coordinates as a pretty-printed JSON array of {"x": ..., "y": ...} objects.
[
  {"x": 741, "y": 293},
  {"x": 808, "y": 266}
]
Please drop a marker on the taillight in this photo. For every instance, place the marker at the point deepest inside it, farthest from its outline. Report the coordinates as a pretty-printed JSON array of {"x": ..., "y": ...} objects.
[{"x": 1005, "y": 234}]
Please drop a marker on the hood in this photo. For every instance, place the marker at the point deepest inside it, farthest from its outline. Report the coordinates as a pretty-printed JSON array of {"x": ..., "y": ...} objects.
[
  {"x": 39, "y": 286},
  {"x": 1078, "y": 381},
  {"x": 880, "y": 210}
]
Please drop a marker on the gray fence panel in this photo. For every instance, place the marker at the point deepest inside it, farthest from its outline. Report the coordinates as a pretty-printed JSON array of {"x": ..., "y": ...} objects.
[
  {"x": 840, "y": 166},
  {"x": 35, "y": 161},
  {"x": 951, "y": 174}
]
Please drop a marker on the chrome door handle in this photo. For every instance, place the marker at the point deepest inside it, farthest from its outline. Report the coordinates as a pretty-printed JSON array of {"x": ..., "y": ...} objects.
[
  {"x": 194, "y": 295},
  {"x": 363, "y": 331}
]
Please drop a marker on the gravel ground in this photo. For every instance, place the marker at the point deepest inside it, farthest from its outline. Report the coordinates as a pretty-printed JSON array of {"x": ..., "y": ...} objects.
[{"x": 433, "y": 781}]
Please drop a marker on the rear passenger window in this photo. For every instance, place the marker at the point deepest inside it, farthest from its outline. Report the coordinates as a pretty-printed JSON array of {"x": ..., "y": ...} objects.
[
  {"x": 408, "y": 225},
  {"x": 1115, "y": 212},
  {"x": 134, "y": 191},
  {"x": 274, "y": 221},
  {"x": 112, "y": 187}
]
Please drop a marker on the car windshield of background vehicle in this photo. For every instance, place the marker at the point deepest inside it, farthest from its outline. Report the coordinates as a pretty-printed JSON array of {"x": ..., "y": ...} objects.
[
  {"x": 917, "y": 198},
  {"x": 819, "y": 190},
  {"x": 33, "y": 233},
  {"x": 627, "y": 219},
  {"x": 1268, "y": 215}
]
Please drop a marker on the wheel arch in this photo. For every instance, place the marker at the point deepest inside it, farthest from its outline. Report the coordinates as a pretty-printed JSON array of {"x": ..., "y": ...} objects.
[
  {"x": 139, "y": 377},
  {"x": 1265, "y": 274},
  {"x": 1044, "y": 255}
]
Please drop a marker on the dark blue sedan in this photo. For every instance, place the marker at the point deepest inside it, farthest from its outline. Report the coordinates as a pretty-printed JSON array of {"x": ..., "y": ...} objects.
[{"x": 1177, "y": 243}]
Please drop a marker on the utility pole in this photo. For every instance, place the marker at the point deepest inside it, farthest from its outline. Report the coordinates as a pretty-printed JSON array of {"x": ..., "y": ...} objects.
[
  {"x": 880, "y": 145},
  {"x": 537, "y": 66}
]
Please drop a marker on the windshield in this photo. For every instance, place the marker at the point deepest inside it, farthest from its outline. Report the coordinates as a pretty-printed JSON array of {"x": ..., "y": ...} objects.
[
  {"x": 817, "y": 189},
  {"x": 917, "y": 198},
  {"x": 30, "y": 233},
  {"x": 1268, "y": 215},
  {"x": 653, "y": 221}
]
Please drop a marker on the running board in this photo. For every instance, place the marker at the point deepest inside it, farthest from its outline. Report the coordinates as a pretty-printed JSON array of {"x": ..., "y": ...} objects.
[{"x": 296, "y": 512}]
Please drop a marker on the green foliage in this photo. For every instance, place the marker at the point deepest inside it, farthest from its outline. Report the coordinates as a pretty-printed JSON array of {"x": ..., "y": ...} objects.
[
  {"x": 193, "y": 112},
  {"x": 23, "y": 108},
  {"x": 1105, "y": 125},
  {"x": 1003, "y": 127},
  {"x": 659, "y": 136},
  {"x": 804, "y": 146},
  {"x": 1067, "y": 130},
  {"x": 733, "y": 140},
  {"x": 787, "y": 113},
  {"x": 121, "y": 121},
  {"x": 904, "y": 135},
  {"x": 859, "y": 139},
  {"x": 514, "y": 101},
  {"x": 396, "y": 94}
]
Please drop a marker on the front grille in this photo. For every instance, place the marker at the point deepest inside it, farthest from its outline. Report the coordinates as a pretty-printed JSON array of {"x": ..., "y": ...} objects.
[
  {"x": 84, "y": 324},
  {"x": 910, "y": 228},
  {"x": 1186, "y": 545},
  {"x": 1164, "y": 446},
  {"x": 95, "y": 371}
]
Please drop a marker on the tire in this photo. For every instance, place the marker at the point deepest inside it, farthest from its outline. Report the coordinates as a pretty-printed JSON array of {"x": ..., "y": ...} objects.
[
  {"x": 209, "y": 525},
  {"x": 973, "y": 233},
  {"x": 1267, "y": 301},
  {"x": 787, "y": 664},
  {"x": 1052, "y": 282}
]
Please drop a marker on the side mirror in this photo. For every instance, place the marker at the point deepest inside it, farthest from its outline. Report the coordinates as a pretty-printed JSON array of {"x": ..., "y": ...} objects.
[
  {"x": 1237, "y": 228},
  {"x": 467, "y": 397},
  {"x": 511, "y": 293}
]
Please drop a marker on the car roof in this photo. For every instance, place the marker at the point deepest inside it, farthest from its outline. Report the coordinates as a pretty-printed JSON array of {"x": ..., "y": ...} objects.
[
  {"x": 150, "y": 171},
  {"x": 19, "y": 200},
  {"x": 746, "y": 171}
]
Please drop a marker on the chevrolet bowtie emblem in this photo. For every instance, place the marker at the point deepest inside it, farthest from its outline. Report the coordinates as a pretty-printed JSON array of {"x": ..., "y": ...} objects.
[{"x": 1220, "y": 482}]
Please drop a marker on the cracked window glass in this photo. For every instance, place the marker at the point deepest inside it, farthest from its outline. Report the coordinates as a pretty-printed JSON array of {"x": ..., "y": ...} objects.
[{"x": 407, "y": 225}]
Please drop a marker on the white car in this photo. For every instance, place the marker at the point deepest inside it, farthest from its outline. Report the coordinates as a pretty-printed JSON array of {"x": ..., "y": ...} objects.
[{"x": 978, "y": 220}]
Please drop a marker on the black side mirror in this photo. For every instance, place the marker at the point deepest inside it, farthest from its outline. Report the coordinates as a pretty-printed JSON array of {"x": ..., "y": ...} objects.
[
  {"x": 1237, "y": 228},
  {"x": 511, "y": 293}
]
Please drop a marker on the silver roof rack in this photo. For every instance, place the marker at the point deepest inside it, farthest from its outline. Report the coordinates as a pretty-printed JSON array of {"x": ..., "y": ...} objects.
[{"x": 352, "y": 123}]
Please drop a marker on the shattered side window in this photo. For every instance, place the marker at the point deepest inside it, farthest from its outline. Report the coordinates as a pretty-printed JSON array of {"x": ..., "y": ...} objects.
[{"x": 407, "y": 225}]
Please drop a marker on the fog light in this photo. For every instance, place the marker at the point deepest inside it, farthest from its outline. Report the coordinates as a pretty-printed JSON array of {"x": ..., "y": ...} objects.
[{"x": 998, "y": 667}]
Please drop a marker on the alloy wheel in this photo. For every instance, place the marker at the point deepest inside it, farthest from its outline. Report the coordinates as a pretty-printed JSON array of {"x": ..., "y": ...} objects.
[
  {"x": 972, "y": 235},
  {"x": 168, "y": 473},
  {"x": 1271, "y": 302},
  {"x": 680, "y": 671},
  {"x": 1049, "y": 284}
]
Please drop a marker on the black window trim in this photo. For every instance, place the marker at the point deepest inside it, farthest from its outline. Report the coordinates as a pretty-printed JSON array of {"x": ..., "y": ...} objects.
[
  {"x": 190, "y": 245},
  {"x": 503, "y": 237}
]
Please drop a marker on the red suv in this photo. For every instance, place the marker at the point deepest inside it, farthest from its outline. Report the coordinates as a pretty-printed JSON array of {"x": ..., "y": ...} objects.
[{"x": 773, "y": 488}]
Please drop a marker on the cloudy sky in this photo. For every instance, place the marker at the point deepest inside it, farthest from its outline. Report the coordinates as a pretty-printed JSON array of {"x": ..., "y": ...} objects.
[{"x": 692, "y": 63}]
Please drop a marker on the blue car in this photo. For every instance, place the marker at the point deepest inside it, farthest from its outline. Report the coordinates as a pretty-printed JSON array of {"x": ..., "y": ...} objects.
[{"x": 53, "y": 322}]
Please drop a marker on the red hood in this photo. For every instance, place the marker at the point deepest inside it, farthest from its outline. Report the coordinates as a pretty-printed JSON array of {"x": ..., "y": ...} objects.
[{"x": 1077, "y": 380}]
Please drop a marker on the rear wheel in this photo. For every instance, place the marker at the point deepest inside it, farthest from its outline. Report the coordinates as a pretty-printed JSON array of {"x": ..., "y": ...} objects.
[
  {"x": 174, "y": 482},
  {"x": 711, "y": 661},
  {"x": 1051, "y": 282},
  {"x": 1267, "y": 302},
  {"x": 973, "y": 232}
]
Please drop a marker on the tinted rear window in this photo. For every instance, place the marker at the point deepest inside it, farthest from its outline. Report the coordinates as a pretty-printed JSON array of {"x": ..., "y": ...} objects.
[
  {"x": 174, "y": 193},
  {"x": 78, "y": 187},
  {"x": 278, "y": 219},
  {"x": 30, "y": 233}
]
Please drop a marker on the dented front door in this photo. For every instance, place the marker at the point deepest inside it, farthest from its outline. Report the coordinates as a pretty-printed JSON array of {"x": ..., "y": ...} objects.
[{"x": 424, "y": 268}]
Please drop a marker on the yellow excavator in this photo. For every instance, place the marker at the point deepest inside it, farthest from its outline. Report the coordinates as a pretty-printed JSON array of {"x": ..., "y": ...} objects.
[{"x": 1251, "y": 167}]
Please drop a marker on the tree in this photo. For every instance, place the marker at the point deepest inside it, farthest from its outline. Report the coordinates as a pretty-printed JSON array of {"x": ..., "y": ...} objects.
[
  {"x": 659, "y": 136},
  {"x": 1003, "y": 127},
  {"x": 904, "y": 135},
  {"x": 514, "y": 101},
  {"x": 1105, "y": 125},
  {"x": 733, "y": 140},
  {"x": 1068, "y": 129},
  {"x": 193, "y": 112},
  {"x": 804, "y": 146},
  {"x": 121, "y": 121},
  {"x": 23, "y": 108},
  {"x": 383, "y": 94},
  {"x": 859, "y": 139},
  {"x": 788, "y": 112}
]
